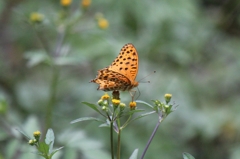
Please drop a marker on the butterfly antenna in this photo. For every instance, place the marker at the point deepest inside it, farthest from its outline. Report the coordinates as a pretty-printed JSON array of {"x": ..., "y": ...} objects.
[
  {"x": 147, "y": 76},
  {"x": 139, "y": 93}
]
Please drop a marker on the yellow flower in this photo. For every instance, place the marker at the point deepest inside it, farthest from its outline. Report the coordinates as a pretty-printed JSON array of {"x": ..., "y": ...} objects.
[
  {"x": 132, "y": 105},
  {"x": 86, "y": 3},
  {"x": 115, "y": 102},
  {"x": 37, "y": 134},
  {"x": 168, "y": 97},
  {"x": 65, "y": 3},
  {"x": 105, "y": 97},
  {"x": 36, "y": 17},
  {"x": 103, "y": 23}
]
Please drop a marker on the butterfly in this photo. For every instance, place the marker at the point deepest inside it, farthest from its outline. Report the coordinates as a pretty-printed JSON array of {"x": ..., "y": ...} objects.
[{"x": 121, "y": 74}]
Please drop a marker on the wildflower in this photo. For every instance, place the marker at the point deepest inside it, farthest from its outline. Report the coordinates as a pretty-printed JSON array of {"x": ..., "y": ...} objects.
[
  {"x": 36, "y": 17},
  {"x": 115, "y": 102},
  {"x": 132, "y": 105},
  {"x": 86, "y": 3},
  {"x": 37, "y": 135},
  {"x": 168, "y": 97},
  {"x": 103, "y": 23},
  {"x": 122, "y": 106},
  {"x": 65, "y": 3},
  {"x": 105, "y": 97}
]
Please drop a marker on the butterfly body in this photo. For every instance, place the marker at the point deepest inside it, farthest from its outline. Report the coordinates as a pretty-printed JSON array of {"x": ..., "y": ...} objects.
[{"x": 121, "y": 74}]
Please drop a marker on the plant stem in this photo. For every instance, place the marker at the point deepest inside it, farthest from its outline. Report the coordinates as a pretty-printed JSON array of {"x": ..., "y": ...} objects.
[
  {"x": 150, "y": 139},
  {"x": 127, "y": 122},
  {"x": 42, "y": 39},
  {"x": 52, "y": 98},
  {"x": 111, "y": 138},
  {"x": 119, "y": 140}
]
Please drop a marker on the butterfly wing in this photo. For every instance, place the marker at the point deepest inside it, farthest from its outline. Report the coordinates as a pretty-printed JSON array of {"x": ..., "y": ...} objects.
[
  {"x": 126, "y": 63},
  {"x": 110, "y": 81}
]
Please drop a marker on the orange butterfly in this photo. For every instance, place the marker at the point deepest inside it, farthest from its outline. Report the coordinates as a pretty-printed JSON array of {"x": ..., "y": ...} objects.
[{"x": 121, "y": 74}]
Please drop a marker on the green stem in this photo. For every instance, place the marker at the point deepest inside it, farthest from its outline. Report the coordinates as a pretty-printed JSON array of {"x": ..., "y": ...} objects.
[
  {"x": 111, "y": 138},
  {"x": 42, "y": 39},
  {"x": 52, "y": 98},
  {"x": 126, "y": 123},
  {"x": 119, "y": 140}
]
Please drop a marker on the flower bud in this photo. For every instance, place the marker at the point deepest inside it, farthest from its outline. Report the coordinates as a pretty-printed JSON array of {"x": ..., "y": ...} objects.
[
  {"x": 132, "y": 105},
  {"x": 168, "y": 98},
  {"x": 37, "y": 135},
  {"x": 36, "y": 17},
  {"x": 31, "y": 142},
  {"x": 122, "y": 106}
]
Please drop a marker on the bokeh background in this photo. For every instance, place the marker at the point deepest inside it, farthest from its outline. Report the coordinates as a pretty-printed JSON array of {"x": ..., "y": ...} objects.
[{"x": 49, "y": 52}]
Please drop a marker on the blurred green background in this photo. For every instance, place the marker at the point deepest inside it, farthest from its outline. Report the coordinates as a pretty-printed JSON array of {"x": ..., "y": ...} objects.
[{"x": 46, "y": 65}]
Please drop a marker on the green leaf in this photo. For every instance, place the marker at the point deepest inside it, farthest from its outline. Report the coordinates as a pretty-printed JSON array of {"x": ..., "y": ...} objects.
[
  {"x": 55, "y": 151},
  {"x": 134, "y": 154},
  {"x": 43, "y": 148},
  {"x": 143, "y": 115},
  {"x": 145, "y": 103},
  {"x": 104, "y": 125},
  {"x": 86, "y": 119},
  {"x": 187, "y": 156},
  {"x": 23, "y": 134},
  {"x": 50, "y": 139},
  {"x": 36, "y": 57},
  {"x": 93, "y": 106},
  {"x": 3, "y": 106},
  {"x": 66, "y": 61},
  {"x": 135, "y": 111}
]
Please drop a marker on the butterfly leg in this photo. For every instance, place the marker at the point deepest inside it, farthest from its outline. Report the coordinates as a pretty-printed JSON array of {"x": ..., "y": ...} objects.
[{"x": 132, "y": 93}]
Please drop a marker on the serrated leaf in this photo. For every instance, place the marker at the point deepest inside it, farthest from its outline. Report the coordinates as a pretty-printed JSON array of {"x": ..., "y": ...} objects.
[
  {"x": 93, "y": 106},
  {"x": 86, "y": 119},
  {"x": 187, "y": 156},
  {"x": 143, "y": 115},
  {"x": 145, "y": 103},
  {"x": 23, "y": 134},
  {"x": 134, "y": 154},
  {"x": 55, "y": 151},
  {"x": 50, "y": 139}
]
